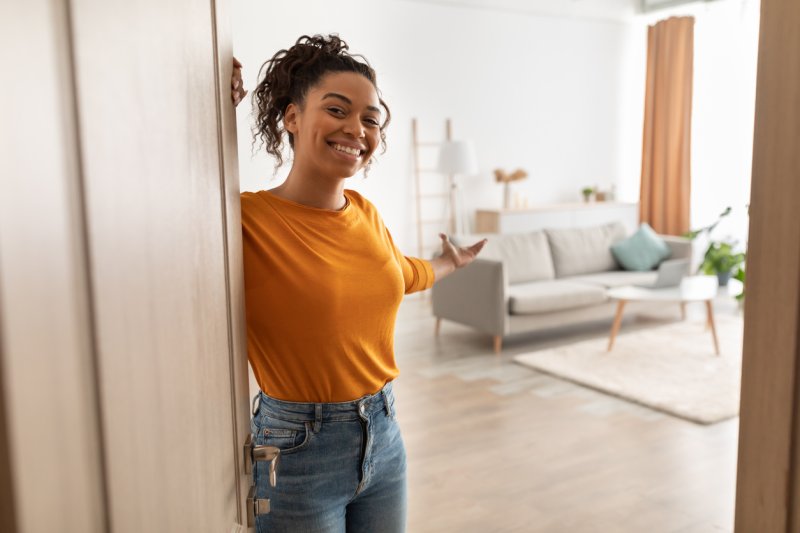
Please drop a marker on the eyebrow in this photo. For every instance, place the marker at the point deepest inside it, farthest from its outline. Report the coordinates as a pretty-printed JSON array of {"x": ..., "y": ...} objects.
[{"x": 348, "y": 101}]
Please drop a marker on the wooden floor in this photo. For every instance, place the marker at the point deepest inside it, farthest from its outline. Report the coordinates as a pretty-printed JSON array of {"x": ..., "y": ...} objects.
[{"x": 497, "y": 447}]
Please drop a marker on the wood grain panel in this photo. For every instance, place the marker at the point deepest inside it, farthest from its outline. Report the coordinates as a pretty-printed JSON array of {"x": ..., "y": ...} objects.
[
  {"x": 148, "y": 108},
  {"x": 48, "y": 387},
  {"x": 767, "y": 471}
]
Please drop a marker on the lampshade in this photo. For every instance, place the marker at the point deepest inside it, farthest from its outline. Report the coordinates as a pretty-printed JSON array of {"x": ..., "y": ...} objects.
[{"x": 457, "y": 157}]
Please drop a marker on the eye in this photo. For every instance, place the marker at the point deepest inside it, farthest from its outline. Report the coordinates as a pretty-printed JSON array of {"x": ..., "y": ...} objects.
[
  {"x": 372, "y": 122},
  {"x": 336, "y": 111}
]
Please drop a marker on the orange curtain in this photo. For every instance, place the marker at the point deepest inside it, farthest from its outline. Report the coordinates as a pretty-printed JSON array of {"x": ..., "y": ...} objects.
[{"x": 666, "y": 177}]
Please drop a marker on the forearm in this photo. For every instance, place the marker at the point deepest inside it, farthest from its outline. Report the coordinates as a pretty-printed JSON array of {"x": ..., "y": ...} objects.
[{"x": 442, "y": 266}]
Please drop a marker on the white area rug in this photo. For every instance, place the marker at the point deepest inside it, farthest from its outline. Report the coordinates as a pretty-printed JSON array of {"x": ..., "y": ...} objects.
[{"x": 670, "y": 368}]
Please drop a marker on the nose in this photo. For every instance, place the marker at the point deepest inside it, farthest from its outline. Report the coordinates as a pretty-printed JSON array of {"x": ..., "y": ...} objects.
[{"x": 353, "y": 126}]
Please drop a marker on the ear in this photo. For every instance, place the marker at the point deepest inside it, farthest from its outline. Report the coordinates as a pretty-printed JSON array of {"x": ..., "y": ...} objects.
[{"x": 290, "y": 119}]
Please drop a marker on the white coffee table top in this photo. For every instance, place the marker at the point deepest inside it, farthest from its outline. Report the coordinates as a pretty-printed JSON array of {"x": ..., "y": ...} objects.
[{"x": 691, "y": 289}]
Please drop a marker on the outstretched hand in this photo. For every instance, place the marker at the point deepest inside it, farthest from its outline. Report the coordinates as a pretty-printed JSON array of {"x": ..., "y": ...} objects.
[
  {"x": 237, "y": 85},
  {"x": 459, "y": 255}
]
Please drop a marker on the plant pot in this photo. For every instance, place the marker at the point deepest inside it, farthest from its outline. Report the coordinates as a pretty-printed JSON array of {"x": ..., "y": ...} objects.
[{"x": 723, "y": 278}]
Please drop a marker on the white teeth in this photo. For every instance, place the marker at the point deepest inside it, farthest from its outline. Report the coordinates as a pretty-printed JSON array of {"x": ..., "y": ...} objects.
[{"x": 347, "y": 149}]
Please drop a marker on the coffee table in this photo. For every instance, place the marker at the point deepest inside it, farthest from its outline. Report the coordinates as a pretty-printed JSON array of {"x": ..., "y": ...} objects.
[{"x": 691, "y": 289}]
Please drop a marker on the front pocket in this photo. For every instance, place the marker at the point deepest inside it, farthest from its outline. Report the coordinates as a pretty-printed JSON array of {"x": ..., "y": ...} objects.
[{"x": 287, "y": 439}]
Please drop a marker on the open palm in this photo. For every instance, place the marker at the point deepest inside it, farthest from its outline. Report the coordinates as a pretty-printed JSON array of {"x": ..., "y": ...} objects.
[{"x": 460, "y": 255}]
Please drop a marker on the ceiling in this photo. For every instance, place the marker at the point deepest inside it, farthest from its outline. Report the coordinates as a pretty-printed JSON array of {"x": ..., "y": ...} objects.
[{"x": 596, "y": 9}]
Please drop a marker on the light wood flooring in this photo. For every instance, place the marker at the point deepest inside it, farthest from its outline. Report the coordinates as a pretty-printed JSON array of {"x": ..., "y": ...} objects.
[{"x": 497, "y": 447}]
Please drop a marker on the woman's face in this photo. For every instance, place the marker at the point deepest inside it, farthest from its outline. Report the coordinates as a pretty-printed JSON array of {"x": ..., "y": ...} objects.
[{"x": 338, "y": 129}]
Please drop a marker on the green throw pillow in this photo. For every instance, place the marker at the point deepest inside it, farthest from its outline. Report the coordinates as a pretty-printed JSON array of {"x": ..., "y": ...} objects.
[{"x": 642, "y": 251}]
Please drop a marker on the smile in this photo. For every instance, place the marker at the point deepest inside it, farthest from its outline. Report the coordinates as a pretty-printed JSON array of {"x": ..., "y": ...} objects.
[{"x": 353, "y": 152}]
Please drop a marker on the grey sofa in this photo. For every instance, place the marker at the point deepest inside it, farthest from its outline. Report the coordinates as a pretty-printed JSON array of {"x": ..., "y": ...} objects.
[{"x": 539, "y": 280}]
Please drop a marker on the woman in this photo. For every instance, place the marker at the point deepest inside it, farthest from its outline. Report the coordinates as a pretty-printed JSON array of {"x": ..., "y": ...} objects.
[{"x": 323, "y": 282}]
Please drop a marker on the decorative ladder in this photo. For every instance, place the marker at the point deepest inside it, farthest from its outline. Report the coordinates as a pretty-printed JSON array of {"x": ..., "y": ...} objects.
[{"x": 428, "y": 225}]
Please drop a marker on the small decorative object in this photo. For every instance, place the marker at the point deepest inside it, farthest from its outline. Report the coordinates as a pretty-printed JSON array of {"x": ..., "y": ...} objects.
[
  {"x": 600, "y": 196},
  {"x": 500, "y": 176},
  {"x": 587, "y": 193}
]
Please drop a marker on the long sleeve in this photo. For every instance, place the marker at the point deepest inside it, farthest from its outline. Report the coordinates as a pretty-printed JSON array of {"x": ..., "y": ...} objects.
[{"x": 417, "y": 273}]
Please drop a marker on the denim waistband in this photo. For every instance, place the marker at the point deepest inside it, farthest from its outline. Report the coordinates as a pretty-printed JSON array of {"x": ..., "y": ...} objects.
[{"x": 330, "y": 411}]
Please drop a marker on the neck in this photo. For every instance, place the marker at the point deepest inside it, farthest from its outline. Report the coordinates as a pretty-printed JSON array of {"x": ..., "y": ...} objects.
[{"x": 300, "y": 187}]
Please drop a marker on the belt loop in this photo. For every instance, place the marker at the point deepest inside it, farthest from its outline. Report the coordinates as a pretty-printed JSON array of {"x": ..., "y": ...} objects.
[
  {"x": 317, "y": 417},
  {"x": 386, "y": 403}
]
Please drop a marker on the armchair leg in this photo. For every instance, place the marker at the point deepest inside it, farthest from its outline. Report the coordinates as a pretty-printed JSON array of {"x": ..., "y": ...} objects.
[
  {"x": 438, "y": 326},
  {"x": 498, "y": 344}
]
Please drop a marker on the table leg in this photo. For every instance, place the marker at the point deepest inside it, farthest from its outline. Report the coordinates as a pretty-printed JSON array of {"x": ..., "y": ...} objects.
[
  {"x": 615, "y": 325},
  {"x": 710, "y": 318},
  {"x": 683, "y": 310}
]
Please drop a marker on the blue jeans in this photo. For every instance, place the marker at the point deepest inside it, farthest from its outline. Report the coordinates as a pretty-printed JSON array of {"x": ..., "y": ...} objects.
[{"x": 342, "y": 466}]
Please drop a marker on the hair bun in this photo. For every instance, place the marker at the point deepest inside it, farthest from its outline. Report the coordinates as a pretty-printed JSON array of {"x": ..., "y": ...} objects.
[{"x": 332, "y": 44}]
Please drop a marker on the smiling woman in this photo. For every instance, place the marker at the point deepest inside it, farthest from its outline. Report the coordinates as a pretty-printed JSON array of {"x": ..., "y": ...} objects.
[
  {"x": 323, "y": 283},
  {"x": 291, "y": 74}
]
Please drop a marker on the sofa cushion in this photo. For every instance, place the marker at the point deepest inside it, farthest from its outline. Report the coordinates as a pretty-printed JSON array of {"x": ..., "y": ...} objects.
[
  {"x": 642, "y": 251},
  {"x": 584, "y": 250},
  {"x": 525, "y": 255},
  {"x": 616, "y": 278},
  {"x": 552, "y": 295}
]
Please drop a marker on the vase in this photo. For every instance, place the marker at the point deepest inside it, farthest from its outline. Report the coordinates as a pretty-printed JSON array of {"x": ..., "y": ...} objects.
[{"x": 723, "y": 278}]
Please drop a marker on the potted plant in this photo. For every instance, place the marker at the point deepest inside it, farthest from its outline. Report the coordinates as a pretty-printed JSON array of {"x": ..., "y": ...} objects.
[
  {"x": 720, "y": 257},
  {"x": 587, "y": 193}
]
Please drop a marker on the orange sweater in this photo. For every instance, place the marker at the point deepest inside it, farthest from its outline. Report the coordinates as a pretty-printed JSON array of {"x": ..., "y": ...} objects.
[{"x": 322, "y": 289}]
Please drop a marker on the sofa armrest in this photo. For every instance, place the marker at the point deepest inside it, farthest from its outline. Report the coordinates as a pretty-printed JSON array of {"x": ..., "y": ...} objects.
[
  {"x": 681, "y": 247},
  {"x": 475, "y": 296}
]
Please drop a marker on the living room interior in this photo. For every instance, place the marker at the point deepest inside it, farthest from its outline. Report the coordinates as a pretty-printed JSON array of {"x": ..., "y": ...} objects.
[{"x": 510, "y": 437}]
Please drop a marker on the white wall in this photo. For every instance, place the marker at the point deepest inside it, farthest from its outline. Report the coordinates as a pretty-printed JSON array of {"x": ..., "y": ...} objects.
[
  {"x": 561, "y": 97},
  {"x": 538, "y": 92}
]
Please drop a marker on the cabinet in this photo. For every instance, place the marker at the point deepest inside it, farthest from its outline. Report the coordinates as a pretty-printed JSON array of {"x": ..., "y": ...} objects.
[{"x": 556, "y": 216}]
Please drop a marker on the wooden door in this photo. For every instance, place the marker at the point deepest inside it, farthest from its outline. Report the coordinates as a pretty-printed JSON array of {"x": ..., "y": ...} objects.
[
  {"x": 768, "y": 478},
  {"x": 51, "y": 475},
  {"x": 124, "y": 371}
]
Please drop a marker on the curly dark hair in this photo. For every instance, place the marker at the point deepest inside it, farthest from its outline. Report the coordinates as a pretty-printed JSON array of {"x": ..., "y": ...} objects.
[{"x": 289, "y": 76}]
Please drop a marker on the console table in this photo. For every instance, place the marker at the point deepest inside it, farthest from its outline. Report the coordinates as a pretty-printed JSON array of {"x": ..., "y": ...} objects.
[{"x": 556, "y": 216}]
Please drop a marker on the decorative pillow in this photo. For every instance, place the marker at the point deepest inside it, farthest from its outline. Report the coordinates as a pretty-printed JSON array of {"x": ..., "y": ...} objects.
[{"x": 643, "y": 250}]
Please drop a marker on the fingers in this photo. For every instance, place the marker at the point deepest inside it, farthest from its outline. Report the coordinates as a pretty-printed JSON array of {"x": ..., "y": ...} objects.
[
  {"x": 238, "y": 96},
  {"x": 447, "y": 244},
  {"x": 237, "y": 85},
  {"x": 477, "y": 247}
]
